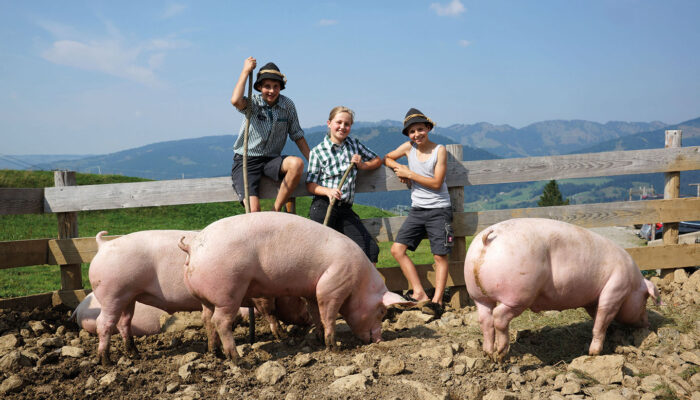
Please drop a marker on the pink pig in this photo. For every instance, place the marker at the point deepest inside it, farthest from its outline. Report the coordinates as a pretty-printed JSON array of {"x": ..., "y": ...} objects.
[
  {"x": 274, "y": 254},
  {"x": 148, "y": 267},
  {"x": 543, "y": 264}
]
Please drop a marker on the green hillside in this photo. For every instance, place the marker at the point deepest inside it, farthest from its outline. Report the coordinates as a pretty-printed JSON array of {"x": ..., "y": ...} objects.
[{"x": 40, "y": 279}]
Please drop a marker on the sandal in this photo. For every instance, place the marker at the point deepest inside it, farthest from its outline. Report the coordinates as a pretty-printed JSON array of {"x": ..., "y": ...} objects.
[{"x": 434, "y": 309}]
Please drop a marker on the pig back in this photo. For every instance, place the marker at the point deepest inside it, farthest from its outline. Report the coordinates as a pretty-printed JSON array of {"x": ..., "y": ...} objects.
[
  {"x": 544, "y": 264},
  {"x": 275, "y": 254}
]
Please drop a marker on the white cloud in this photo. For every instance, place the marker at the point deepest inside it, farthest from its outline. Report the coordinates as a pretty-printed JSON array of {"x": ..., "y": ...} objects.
[
  {"x": 454, "y": 8},
  {"x": 327, "y": 22},
  {"x": 136, "y": 62},
  {"x": 464, "y": 43},
  {"x": 173, "y": 10}
]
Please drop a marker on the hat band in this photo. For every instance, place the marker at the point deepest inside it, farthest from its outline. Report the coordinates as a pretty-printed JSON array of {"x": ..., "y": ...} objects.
[
  {"x": 272, "y": 71},
  {"x": 415, "y": 116}
]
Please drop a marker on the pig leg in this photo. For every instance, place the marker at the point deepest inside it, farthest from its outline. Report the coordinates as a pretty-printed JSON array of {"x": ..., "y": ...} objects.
[
  {"x": 124, "y": 327},
  {"x": 502, "y": 315},
  {"x": 315, "y": 317},
  {"x": 212, "y": 337},
  {"x": 106, "y": 322},
  {"x": 485, "y": 312},
  {"x": 609, "y": 302},
  {"x": 222, "y": 318},
  {"x": 266, "y": 306}
]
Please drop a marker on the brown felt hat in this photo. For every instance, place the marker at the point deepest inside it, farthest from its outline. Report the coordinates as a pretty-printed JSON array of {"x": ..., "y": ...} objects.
[
  {"x": 414, "y": 116},
  {"x": 270, "y": 71}
]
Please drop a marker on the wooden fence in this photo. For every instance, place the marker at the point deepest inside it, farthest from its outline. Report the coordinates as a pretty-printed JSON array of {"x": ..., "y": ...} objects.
[{"x": 66, "y": 200}]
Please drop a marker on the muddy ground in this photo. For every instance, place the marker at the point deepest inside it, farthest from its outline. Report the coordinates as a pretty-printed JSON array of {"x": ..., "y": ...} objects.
[{"x": 43, "y": 355}]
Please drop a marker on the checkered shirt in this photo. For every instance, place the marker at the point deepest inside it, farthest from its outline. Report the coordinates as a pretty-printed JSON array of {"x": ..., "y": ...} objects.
[
  {"x": 328, "y": 162},
  {"x": 269, "y": 127}
]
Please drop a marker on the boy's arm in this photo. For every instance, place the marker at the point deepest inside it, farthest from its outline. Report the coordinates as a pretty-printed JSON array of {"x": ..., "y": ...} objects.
[
  {"x": 237, "y": 98},
  {"x": 303, "y": 147},
  {"x": 318, "y": 190},
  {"x": 439, "y": 174},
  {"x": 390, "y": 159},
  {"x": 369, "y": 165}
]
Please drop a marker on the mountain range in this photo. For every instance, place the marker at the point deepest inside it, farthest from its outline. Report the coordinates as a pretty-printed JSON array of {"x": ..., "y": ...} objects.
[{"x": 211, "y": 156}]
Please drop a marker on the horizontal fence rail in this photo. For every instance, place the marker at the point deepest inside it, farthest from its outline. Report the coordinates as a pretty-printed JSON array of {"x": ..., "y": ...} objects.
[{"x": 465, "y": 173}]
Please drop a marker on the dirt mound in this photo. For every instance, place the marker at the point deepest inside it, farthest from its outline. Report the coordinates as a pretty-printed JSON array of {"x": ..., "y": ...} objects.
[{"x": 43, "y": 355}]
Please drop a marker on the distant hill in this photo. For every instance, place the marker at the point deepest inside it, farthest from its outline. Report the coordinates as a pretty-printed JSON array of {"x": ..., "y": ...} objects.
[
  {"x": 212, "y": 156},
  {"x": 542, "y": 138}
]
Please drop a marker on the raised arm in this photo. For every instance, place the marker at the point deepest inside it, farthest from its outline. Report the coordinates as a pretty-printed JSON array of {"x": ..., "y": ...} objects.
[{"x": 237, "y": 98}]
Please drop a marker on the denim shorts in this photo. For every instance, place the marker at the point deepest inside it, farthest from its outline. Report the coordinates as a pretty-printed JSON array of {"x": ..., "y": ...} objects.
[{"x": 435, "y": 222}]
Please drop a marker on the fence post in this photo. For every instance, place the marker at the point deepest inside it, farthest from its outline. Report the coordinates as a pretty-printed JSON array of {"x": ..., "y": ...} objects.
[
  {"x": 71, "y": 275},
  {"x": 672, "y": 188},
  {"x": 459, "y": 251}
]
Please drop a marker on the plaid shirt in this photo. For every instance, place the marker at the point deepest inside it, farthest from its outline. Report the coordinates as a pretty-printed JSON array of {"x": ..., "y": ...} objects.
[
  {"x": 269, "y": 127},
  {"x": 328, "y": 162}
]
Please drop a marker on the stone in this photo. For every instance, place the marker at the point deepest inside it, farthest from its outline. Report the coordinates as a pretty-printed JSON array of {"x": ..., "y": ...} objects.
[
  {"x": 37, "y": 327},
  {"x": 108, "y": 379},
  {"x": 187, "y": 358},
  {"x": 460, "y": 369},
  {"x": 391, "y": 366},
  {"x": 349, "y": 383},
  {"x": 13, "y": 361},
  {"x": 411, "y": 319},
  {"x": 185, "y": 372},
  {"x": 8, "y": 343},
  {"x": 363, "y": 360},
  {"x": 446, "y": 362},
  {"x": 344, "y": 371},
  {"x": 650, "y": 383},
  {"x": 72, "y": 351},
  {"x": 270, "y": 373},
  {"x": 570, "y": 388},
  {"x": 434, "y": 352},
  {"x": 180, "y": 321},
  {"x": 302, "y": 360},
  {"x": 50, "y": 342},
  {"x": 501, "y": 395},
  {"x": 13, "y": 383},
  {"x": 611, "y": 395},
  {"x": 424, "y": 392},
  {"x": 691, "y": 356},
  {"x": 604, "y": 369},
  {"x": 679, "y": 276},
  {"x": 172, "y": 387}
]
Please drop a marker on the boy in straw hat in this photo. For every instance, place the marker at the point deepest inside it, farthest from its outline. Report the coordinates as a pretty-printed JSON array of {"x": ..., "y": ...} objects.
[
  {"x": 431, "y": 211},
  {"x": 273, "y": 117}
]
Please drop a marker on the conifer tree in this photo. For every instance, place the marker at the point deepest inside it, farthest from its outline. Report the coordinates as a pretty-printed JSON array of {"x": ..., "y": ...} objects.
[{"x": 551, "y": 196}]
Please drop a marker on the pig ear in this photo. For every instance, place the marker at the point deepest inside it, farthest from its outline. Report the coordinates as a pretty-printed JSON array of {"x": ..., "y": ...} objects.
[
  {"x": 390, "y": 298},
  {"x": 653, "y": 292}
]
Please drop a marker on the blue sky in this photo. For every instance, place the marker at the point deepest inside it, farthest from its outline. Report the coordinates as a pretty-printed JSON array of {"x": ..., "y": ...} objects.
[{"x": 92, "y": 77}]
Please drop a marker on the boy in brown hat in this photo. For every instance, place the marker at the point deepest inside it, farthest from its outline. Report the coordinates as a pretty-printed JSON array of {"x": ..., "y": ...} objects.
[
  {"x": 273, "y": 117},
  {"x": 431, "y": 210}
]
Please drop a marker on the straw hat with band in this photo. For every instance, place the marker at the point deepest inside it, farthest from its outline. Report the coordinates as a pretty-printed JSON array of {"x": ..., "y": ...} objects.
[
  {"x": 270, "y": 71},
  {"x": 414, "y": 116}
]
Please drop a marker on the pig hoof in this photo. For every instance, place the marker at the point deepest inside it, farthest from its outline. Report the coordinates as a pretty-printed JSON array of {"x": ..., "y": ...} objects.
[{"x": 105, "y": 361}]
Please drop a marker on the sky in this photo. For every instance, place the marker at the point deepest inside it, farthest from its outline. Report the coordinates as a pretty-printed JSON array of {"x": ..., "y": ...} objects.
[{"x": 96, "y": 77}]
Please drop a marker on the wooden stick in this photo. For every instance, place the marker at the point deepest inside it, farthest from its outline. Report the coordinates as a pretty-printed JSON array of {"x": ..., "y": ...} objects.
[
  {"x": 245, "y": 144},
  {"x": 340, "y": 185}
]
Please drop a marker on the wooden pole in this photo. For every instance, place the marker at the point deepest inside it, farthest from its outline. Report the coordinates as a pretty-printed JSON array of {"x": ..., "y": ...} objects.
[
  {"x": 71, "y": 274},
  {"x": 245, "y": 144},
  {"x": 459, "y": 251},
  {"x": 672, "y": 187},
  {"x": 340, "y": 186}
]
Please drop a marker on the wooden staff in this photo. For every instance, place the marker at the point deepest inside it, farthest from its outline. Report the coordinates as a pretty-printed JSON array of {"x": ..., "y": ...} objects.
[
  {"x": 332, "y": 202},
  {"x": 245, "y": 144}
]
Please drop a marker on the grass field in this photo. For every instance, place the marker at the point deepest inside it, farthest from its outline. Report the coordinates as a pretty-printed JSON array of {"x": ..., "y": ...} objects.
[{"x": 25, "y": 281}]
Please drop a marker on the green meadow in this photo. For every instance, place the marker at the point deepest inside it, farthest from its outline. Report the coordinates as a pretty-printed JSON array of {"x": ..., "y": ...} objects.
[{"x": 23, "y": 281}]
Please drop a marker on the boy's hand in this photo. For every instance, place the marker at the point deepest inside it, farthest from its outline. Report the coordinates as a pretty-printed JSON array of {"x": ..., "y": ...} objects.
[
  {"x": 403, "y": 171},
  {"x": 249, "y": 65},
  {"x": 357, "y": 160},
  {"x": 333, "y": 193}
]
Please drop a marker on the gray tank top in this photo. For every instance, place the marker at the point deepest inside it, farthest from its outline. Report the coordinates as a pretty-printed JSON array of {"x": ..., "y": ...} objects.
[{"x": 422, "y": 196}]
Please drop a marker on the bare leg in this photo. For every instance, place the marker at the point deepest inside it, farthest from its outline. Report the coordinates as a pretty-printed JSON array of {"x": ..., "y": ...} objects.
[
  {"x": 254, "y": 203},
  {"x": 441, "y": 267},
  {"x": 292, "y": 168},
  {"x": 398, "y": 250}
]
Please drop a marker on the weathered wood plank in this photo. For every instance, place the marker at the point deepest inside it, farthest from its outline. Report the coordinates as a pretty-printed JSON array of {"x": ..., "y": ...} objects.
[
  {"x": 623, "y": 213},
  {"x": 668, "y": 256},
  {"x": 73, "y": 251},
  {"x": 42, "y": 300},
  {"x": 395, "y": 280},
  {"x": 213, "y": 190},
  {"x": 21, "y": 201},
  {"x": 22, "y": 253}
]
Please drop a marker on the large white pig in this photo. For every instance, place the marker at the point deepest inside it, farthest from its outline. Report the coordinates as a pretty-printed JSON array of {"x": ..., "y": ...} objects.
[
  {"x": 148, "y": 267},
  {"x": 270, "y": 254},
  {"x": 543, "y": 264}
]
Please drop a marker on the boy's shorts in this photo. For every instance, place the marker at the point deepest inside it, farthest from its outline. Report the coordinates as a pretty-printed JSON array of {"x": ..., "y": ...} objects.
[
  {"x": 436, "y": 222},
  {"x": 257, "y": 167}
]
